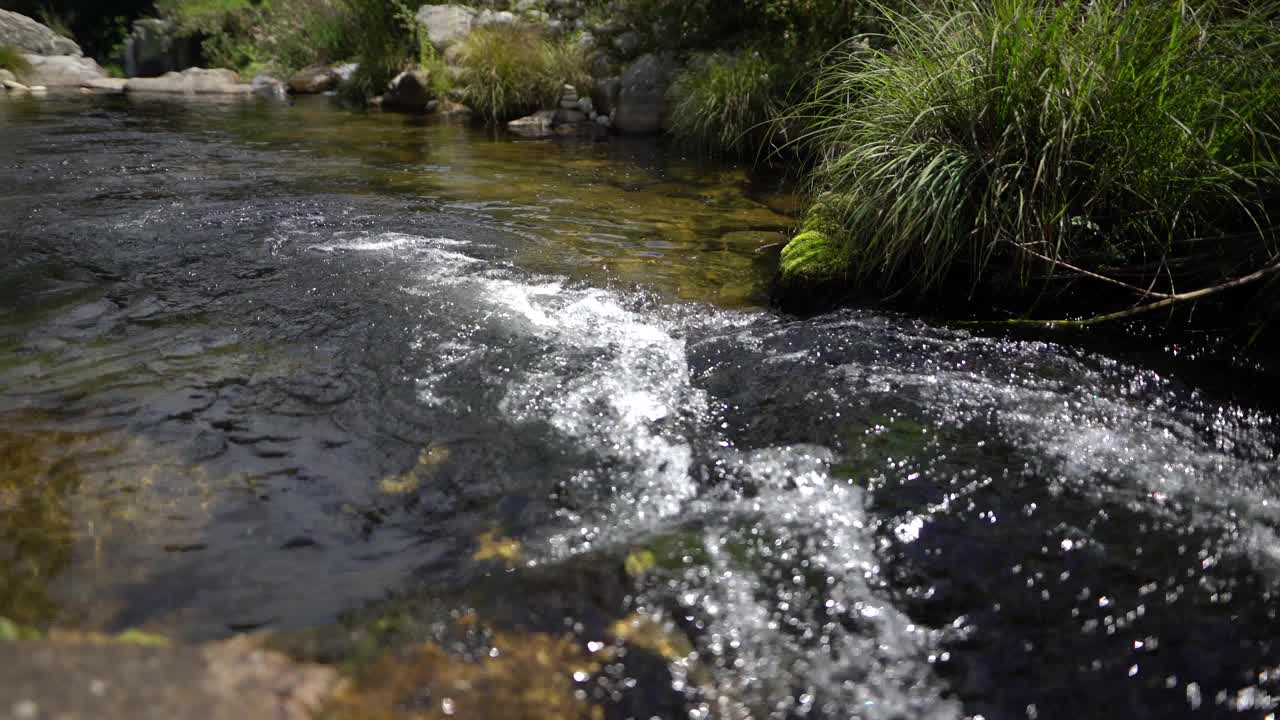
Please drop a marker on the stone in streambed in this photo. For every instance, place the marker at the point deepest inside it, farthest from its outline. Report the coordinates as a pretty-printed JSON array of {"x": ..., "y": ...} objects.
[
  {"x": 314, "y": 79},
  {"x": 106, "y": 85},
  {"x": 192, "y": 81},
  {"x": 539, "y": 124},
  {"x": 410, "y": 91}
]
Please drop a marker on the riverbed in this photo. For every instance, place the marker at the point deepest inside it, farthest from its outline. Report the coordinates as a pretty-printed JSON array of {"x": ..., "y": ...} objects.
[{"x": 467, "y": 412}]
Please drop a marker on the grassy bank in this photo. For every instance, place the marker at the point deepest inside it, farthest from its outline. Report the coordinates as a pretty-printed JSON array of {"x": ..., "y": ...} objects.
[{"x": 1026, "y": 152}]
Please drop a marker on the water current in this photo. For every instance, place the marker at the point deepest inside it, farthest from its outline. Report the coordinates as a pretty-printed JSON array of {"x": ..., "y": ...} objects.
[{"x": 511, "y": 425}]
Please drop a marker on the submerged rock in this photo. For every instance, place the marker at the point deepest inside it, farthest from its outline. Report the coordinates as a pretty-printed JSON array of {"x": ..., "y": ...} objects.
[
  {"x": 193, "y": 81},
  {"x": 228, "y": 680},
  {"x": 22, "y": 33},
  {"x": 314, "y": 79},
  {"x": 62, "y": 70}
]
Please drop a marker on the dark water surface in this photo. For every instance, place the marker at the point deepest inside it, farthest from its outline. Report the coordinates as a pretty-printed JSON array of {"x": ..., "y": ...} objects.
[{"x": 508, "y": 427}]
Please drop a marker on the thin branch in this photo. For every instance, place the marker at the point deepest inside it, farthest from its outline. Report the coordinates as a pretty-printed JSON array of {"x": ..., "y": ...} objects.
[
  {"x": 1087, "y": 273},
  {"x": 1168, "y": 301}
]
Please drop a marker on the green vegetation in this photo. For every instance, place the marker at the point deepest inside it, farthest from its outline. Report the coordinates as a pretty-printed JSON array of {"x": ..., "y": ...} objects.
[
  {"x": 1022, "y": 144},
  {"x": 12, "y": 59},
  {"x": 509, "y": 71},
  {"x": 382, "y": 44},
  {"x": 724, "y": 103}
]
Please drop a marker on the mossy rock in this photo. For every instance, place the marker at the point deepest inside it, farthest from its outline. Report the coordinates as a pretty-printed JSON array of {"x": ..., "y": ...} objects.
[{"x": 816, "y": 255}]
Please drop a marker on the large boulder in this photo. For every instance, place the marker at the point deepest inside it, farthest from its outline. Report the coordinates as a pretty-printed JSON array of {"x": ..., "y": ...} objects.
[
  {"x": 642, "y": 98},
  {"x": 410, "y": 91},
  {"x": 61, "y": 70},
  {"x": 314, "y": 79},
  {"x": 446, "y": 25},
  {"x": 155, "y": 48},
  {"x": 192, "y": 81},
  {"x": 21, "y": 32}
]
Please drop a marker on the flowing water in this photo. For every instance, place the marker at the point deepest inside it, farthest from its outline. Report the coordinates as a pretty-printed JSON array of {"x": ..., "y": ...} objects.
[{"x": 509, "y": 428}]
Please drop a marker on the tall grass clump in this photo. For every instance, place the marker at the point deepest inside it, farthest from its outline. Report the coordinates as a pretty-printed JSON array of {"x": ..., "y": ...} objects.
[
  {"x": 382, "y": 45},
  {"x": 14, "y": 61},
  {"x": 723, "y": 103},
  {"x": 1008, "y": 146},
  {"x": 513, "y": 70}
]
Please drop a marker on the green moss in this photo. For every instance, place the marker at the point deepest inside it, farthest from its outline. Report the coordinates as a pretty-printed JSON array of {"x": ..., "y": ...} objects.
[{"x": 816, "y": 254}]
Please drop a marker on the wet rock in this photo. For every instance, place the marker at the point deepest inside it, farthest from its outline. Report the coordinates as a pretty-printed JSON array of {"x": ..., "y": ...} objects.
[
  {"x": 642, "y": 101},
  {"x": 21, "y": 32},
  {"x": 155, "y": 48},
  {"x": 14, "y": 86},
  {"x": 410, "y": 91},
  {"x": 346, "y": 70},
  {"x": 627, "y": 44},
  {"x": 193, "y": 81},
  {"x": 61, "y": 70},
  {"x": 106, "y": 85},
  {"x": 267, "y": 86},
  {"x": 568, "y": 117},
  {"x": 604, "y": 94},
  {"x": 539, "y": 124},
  {"x": 229, "y": 680},
  {"x": 446, "y": 25},
  {"x": 314, "y": 79}
]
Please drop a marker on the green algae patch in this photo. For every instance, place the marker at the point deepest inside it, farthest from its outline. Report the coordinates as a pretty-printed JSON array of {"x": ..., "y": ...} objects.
[
  {"x": 816, "y": 256},
  {"x": 521, "y": 676}
]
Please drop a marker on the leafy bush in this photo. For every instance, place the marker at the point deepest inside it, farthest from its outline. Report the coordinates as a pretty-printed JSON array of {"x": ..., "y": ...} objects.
[
  {"x": 723, "y": 103},
  {"x": 14, "y": 61},
  {"x": 1014, "y": 142},
  {"x": 509, "y": 71}
]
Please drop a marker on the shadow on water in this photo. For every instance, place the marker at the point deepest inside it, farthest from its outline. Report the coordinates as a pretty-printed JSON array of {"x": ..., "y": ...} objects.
[{"x": 503, "y": 428}]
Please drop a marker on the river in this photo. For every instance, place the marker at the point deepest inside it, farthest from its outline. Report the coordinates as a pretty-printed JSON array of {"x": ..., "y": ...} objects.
[{"x": 406, "y": 392}]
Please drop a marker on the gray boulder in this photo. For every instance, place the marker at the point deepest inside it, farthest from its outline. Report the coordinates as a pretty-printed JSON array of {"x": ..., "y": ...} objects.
[
  {"x": 269, "y": 87},
  {"x": 314, "y": 79},
  {"x": 192, "y": 81},
  {"x": 21, "y": 32},
  {"x": 410, "y": 91},
  {"x": 642, "y": 99},
  {"x": 154, "y": 48},
  {"x": 61, "y": 70},
  {"x": 446, "y": 25}
]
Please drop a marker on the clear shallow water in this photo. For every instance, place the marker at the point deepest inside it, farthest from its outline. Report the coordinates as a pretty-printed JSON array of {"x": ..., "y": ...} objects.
[{"x": 508, "y": 427}]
